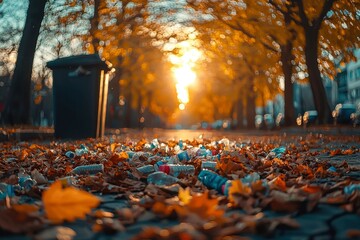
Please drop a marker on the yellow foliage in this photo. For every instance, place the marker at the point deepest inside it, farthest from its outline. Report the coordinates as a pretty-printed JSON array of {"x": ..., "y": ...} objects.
[{"x": 67, "y": 203}]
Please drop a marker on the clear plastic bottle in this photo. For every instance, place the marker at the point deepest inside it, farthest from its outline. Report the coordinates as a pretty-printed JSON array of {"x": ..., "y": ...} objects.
[
  {"x": 183, "y": 156},
  {"x": 208, "y": 165},
  {"x": 212, "y": 180},
  {"x": 88, "y": 169},
  {"x": 176, "y": 169},
  {"x": 161, "y": 179},
  {"x": 147, "y": 169}
]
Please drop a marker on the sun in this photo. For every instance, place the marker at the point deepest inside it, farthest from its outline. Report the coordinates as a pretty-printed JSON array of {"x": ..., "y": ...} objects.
[{"x": 184, "y": 74}]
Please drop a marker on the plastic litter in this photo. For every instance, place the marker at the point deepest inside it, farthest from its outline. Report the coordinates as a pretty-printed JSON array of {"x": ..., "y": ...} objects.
[
  {"x": 212, "y": 180},
  {"x": 88, "y": 169},
  {"x": 351, "y": 188},
  {"x": 70, "y": 154},
  {"x": 176, "y": 169},
  {"x": 277, "y": 152},
  {"x": 147, "y": 169},
  {"x": 161, "y": 179},
  {"x": 209, "y": 165},
  {"x": 183, "y": 156}
]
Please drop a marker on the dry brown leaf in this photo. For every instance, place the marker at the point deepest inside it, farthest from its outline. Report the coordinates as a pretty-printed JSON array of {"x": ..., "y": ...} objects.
[
  {"x": 67, "y": 203},
  {"x": 19, "y": 222}
]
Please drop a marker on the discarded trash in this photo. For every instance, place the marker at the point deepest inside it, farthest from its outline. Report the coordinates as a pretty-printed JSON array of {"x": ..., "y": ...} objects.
[
  {"x": 88, "y": 169},
  {"x": 208, "y": 165},
  {"x": 146, "y": 169},
  {"x": 6, "y": 190},
  {"x": 331, "y": 169},
  {"x": 351, "y": 188},
  {"x": 250, "y": 178},
  {"x": 67, "y": 181},
  {"x": 212, "y": 180},
  {"x": 176, "y": 169},
  {"x": 161, "y": 178},
  {"x": 70, "y": 154},
  {"x": 26, "y": 182},
  {"x": 183, "y": 156},
  {"x": 277, "y": 152}
]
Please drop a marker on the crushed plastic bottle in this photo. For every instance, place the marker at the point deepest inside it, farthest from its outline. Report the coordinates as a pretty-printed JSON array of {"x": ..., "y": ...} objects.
[
  {"x": 209, "y": 165},
  {"x": 6, "y": 190},
  {"x": 158, "y": 164},
  {"x": 331, "y": 169},
  {"x": 183, "y": 156},
  {"x": 67, "y": 181},
  {"x": 88, "y": 169},
  {"x": 161, "y": 179},
  {"x": 212, "y": 180},
  {"x": 277, "y": 152},
  {"x": 181, "y": 144},
  {"x": 82, "y": 150},
  {"x": 70, "y": 154},
  {"x": 351, "y": 188},
  {"x": 176, "y": 169},
  {"x": 250, "y": 178},
  {"x": 147, "y": 169},
  {"x": 154, "y": 144},
  {"x": 25, "y": 181}
]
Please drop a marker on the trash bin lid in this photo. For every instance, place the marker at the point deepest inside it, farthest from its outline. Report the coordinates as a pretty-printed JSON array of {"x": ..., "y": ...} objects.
[{"x": 79, "y": 60}]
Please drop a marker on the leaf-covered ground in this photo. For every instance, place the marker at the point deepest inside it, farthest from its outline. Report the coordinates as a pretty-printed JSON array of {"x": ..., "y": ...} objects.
[{"x": 280, "y": 187}]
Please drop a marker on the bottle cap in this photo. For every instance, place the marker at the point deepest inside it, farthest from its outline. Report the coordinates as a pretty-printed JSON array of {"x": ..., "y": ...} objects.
[{"x": 164, "y": 168}]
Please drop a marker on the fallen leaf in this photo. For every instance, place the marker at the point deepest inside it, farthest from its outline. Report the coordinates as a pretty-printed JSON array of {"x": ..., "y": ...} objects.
[
  {"x": 237, "y": 187},
  {"x": 184, "y": 195},
  {"x": 25, "y": 208},
  {"x": 353, "y": 233},
  {"x": 67, "y": 203},
  {"x": 19, "y": 222}
]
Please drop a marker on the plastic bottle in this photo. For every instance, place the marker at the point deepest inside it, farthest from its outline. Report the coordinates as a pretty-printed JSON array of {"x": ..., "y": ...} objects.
[
  {"x": 250, "y": 178},
  {"x": 147, "y": 169},
  {"x": 351, "y": 188},
  {"x": 277, "y": 152},
  {"x": 208, "y": 165},
  {"x": 212, "y": 180},
  {"x": 88, "y": 169},
  {"x": 176, "y": 169},
  {"x": 70, "y": 154},
  {"x": 6, "y": 190},
  {"x": 183, "y": 156},
  {"x": 161, "y": 179}
]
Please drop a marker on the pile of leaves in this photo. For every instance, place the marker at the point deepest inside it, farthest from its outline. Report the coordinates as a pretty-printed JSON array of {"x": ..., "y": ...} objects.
[{"x": 39, "y": 189}]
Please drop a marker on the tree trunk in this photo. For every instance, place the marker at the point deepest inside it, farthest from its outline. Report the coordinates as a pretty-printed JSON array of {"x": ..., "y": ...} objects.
[
  {"x": 250, "y": 106},
  {"x": 316, "y": 83},
  {"x": 286, "y": 57},
  {"x": 240, "y": 114},
  {"x": 17, "y": 109},
  {"x": 94, "y": 26}
]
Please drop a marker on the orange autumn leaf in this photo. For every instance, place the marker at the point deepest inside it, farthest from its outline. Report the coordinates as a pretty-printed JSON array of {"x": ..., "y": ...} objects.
[
  {"x": 184, "y": 195},
  {"x": 67, "y": 203},
  {"x": 25, "y": 208},
  {"x": 162, "y": 209},
  {"x": 278, "y": 183},
  {"x": 237, "y": 187},
  {"x": 320, "y": 172},
  {"x": 228, "y": 166},
  {"x": 202, "y": 206},
  {"x": 348, "y": 152},
  {"x": 335, "y": 152},
  {"x": 353, "y": 233},
  {"x": 311, "y": 189}
]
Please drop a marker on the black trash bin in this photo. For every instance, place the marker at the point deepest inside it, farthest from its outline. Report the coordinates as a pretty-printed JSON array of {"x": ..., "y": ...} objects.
[{"x": 80, "y": 88}]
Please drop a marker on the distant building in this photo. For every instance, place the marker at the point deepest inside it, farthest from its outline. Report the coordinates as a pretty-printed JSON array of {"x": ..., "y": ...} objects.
[{"x": 353, "y": 79}]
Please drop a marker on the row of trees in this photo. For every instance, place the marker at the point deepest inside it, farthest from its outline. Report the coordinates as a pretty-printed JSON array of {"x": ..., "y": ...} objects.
[
  {"x": 276, "y": 38},
  {"x": 248, "y": 47}
]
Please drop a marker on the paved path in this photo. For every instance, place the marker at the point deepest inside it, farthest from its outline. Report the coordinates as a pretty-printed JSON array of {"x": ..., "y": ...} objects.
[{"x": 325, "y": 222}]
